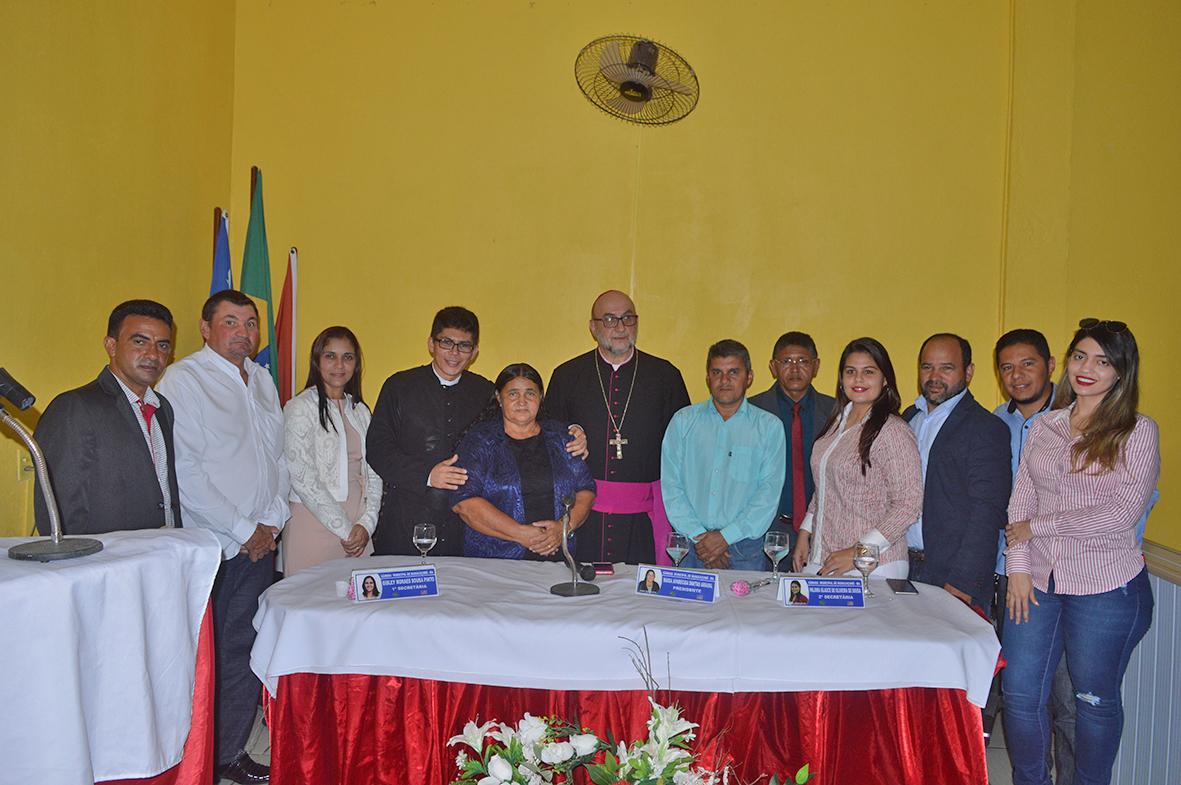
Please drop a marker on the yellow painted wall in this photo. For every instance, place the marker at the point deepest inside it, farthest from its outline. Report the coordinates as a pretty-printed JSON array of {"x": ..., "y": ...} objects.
[
  {"x": 1093, "y": 218},
  {"x": 883, "y": 168},
  {"x": 114, "y": 149}
]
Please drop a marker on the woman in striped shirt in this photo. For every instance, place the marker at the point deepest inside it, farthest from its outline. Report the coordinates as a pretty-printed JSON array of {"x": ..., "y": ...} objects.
[
  {"x": 869, "y": 477},
  {"x": 1077, "y": 581}
]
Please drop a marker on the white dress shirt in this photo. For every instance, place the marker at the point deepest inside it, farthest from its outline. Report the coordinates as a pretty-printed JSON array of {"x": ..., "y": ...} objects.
[
  {"x": 154, "y": 436},
  {"x": 229, "y": 447}
]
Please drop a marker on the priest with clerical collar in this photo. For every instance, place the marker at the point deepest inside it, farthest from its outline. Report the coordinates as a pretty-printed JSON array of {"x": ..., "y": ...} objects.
[
  {"x": 420, "y": 415},
  {"x": 624, "y": 398}
]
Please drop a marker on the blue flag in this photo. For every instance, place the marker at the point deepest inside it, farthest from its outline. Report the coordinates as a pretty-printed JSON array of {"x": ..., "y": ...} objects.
[{"x": 223, "y": 276}]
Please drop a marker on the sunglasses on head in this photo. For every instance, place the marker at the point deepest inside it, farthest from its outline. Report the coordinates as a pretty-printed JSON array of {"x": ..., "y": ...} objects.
[{"x": 1110, "y": 325}]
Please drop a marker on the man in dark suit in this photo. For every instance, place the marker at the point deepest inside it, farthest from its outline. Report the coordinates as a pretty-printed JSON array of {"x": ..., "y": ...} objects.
[
  {"x": 108, "y": 444},
  {"x": 804, "y": 411},
  {"x": 966, "y": 477}
]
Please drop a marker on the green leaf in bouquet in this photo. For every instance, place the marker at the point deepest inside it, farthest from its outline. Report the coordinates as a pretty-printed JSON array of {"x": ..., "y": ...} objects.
[
  {"x": 803, "y": 775},
  {"x": 602, "y": 775}
]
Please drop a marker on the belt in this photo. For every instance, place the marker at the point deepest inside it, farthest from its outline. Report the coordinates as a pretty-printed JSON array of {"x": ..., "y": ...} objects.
[{"x": 916, "y": 554}]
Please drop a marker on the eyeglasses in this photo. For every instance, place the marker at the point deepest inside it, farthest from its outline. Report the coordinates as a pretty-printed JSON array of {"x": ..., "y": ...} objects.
[
  {"x": 1110, "y": 325},
  {"x": 610, "y": 320},
  {"x": 463, "y": 347},
  {"x": 799, "y": 362}
]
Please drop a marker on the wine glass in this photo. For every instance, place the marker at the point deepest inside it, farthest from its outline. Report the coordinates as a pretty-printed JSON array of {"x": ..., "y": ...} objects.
[
  {"x": 677, "y": 546},
  {"x": 775, "y": 546},
  {"x": 865, "y": 559},
  {"x": 424, "y": 538}
]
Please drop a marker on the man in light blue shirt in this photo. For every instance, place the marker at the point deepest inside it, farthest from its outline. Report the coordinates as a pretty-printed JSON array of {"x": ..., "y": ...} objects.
[{"x": 722, "y": 466}]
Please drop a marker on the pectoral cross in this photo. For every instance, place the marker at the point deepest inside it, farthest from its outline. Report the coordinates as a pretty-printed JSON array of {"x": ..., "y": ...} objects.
[{"x": 618, "y": 443}]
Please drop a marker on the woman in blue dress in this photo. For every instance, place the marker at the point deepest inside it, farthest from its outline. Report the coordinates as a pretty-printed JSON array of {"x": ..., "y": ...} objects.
[{"x": 518, "y": 473}]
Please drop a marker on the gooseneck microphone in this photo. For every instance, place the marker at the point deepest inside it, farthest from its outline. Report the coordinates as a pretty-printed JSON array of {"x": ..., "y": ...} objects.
[
  {"x": 12, "y": 390},
  {"x": 56, "y": 547}
]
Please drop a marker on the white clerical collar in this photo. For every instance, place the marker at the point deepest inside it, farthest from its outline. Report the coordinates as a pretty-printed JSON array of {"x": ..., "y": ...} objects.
[
  {"x": 617, "y": 366},
  {"x": 445, "y": 382}
]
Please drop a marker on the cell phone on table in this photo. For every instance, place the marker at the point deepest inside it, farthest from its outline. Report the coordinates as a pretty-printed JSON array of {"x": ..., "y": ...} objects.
[
  {"x": 901, "y": 586},
  {"x": 603, "y": 568}
]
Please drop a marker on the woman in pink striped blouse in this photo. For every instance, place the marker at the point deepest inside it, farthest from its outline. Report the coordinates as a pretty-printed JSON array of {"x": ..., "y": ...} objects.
[
  {"x": 1077, "y": 581},
  {"x": 869, "y": 477}
]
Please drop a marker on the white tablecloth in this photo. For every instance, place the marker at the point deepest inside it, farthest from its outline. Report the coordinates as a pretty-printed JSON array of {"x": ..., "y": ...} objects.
[
  {"x": 496, "y": 623},
  {"x": 98, "y": 657}
]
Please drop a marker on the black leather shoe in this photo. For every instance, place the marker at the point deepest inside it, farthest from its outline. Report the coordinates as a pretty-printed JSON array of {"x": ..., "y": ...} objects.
[{"x": 246, "y": 771}]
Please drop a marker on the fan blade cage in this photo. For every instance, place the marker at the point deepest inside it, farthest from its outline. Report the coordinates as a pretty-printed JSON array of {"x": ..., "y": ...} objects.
[{"x": 609, "y": 82}]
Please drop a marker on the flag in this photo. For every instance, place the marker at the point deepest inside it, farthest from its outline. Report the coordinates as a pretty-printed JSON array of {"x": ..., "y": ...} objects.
[
  {"x": 256, "y": 273},
  {"x": 223, "y": 276},
  {"x": 285, "y": 331}
]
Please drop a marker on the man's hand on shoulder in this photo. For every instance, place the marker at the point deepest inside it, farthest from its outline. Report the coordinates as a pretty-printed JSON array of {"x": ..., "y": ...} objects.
[{"x": 577, "y": 446}]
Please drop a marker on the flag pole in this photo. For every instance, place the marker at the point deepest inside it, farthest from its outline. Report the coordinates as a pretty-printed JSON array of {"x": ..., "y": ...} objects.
[
  {"x": 216, "y": 226},
  {"x": 293, "y": 257}
]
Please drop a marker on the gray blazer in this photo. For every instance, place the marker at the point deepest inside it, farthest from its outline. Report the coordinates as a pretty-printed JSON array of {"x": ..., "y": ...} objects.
[
  {"x": 99, "y": 463},
  {"x": 822, "y": 406}
]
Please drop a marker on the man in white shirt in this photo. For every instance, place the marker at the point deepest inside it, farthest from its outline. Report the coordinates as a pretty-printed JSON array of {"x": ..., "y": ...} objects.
[{"x": 234, "y": 482}]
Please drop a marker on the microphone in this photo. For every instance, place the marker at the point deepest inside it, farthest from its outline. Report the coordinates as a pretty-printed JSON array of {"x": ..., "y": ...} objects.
[{"x": 12, "y": 390}]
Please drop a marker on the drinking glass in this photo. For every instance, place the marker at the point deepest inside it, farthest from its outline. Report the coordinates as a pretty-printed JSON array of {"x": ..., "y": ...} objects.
[
  {"x": 775, "y": 546},
  {"x": 677, "y": 546},
  {"x": 424, "y": 538},
  {"x": 865, "y": 559}
]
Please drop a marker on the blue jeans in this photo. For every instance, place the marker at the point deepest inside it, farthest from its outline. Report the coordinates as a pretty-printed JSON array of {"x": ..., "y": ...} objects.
[
  {"x": 744, "y": 555},
  {"x": 1098, "y": 633}
]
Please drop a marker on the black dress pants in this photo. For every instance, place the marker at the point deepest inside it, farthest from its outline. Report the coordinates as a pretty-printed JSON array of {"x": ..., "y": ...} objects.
[{"x": 235, "y": 601}]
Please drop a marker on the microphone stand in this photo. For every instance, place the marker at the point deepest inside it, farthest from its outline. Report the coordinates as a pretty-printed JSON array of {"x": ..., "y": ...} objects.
[
  {"x": 575, "y": 587},
  {"x": 56, "y": 547}
]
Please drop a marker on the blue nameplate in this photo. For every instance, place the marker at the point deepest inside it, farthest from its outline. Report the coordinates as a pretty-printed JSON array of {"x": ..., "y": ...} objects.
[
  {"x": 676, "y": 584},
  {"x": 395, "y": 583},
  {"x": 821, "y": 592}
]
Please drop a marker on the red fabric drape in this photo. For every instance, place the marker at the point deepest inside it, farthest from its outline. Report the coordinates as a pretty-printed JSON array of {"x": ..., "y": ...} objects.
[
  {"x": 383, "y": 730},
  {"x": 196, "y": 766}
]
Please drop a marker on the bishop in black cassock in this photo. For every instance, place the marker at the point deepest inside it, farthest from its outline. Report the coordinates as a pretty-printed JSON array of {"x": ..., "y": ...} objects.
[{"x": 624, "y": 399}]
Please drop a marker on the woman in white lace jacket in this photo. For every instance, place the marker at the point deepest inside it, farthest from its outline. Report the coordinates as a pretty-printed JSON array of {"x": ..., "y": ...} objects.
[{"x": 335, "y": 496}]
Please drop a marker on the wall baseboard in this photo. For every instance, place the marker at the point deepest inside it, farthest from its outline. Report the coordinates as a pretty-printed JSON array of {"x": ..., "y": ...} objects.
[{"x": 1162, "y": 561}]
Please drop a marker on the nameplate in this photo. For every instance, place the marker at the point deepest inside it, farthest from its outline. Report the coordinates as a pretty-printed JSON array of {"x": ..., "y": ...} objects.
[
  {"x": 676, "y": 584},
  {"x": 395, "y": 583},
  {"x": 821, "y": 592}
]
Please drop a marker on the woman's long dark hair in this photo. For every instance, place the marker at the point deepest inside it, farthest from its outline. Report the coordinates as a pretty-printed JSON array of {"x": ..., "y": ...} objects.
[
  {"x": 887, "y": 403},
  {"x": 1112, "y": 422},
  {"x": 353, "y": 387}
]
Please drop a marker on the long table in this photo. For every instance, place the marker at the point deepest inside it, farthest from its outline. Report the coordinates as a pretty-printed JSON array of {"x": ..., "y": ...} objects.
[
  {"x": 369, "y": 692},
  {"x": 100, "y": 665}
]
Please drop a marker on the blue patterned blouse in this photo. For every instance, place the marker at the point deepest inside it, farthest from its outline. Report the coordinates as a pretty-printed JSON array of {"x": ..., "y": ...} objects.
[{"x": 492, "y": 474}]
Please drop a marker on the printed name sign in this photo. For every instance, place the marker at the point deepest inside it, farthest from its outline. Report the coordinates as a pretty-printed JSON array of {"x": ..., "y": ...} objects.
[
  {"x": 821, "y": 592},
  {"x": 395, "y": 583},
  {"x": 676, "y": 584}
]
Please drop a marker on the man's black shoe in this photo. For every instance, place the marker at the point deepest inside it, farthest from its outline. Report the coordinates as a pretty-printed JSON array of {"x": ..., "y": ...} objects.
[{"x": 246, "y": 771}]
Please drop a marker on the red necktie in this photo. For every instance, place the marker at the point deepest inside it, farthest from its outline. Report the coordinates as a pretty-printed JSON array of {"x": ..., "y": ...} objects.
[
  {"x": 799, "y": 503},
  {"x": 147, "y": 410}
]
